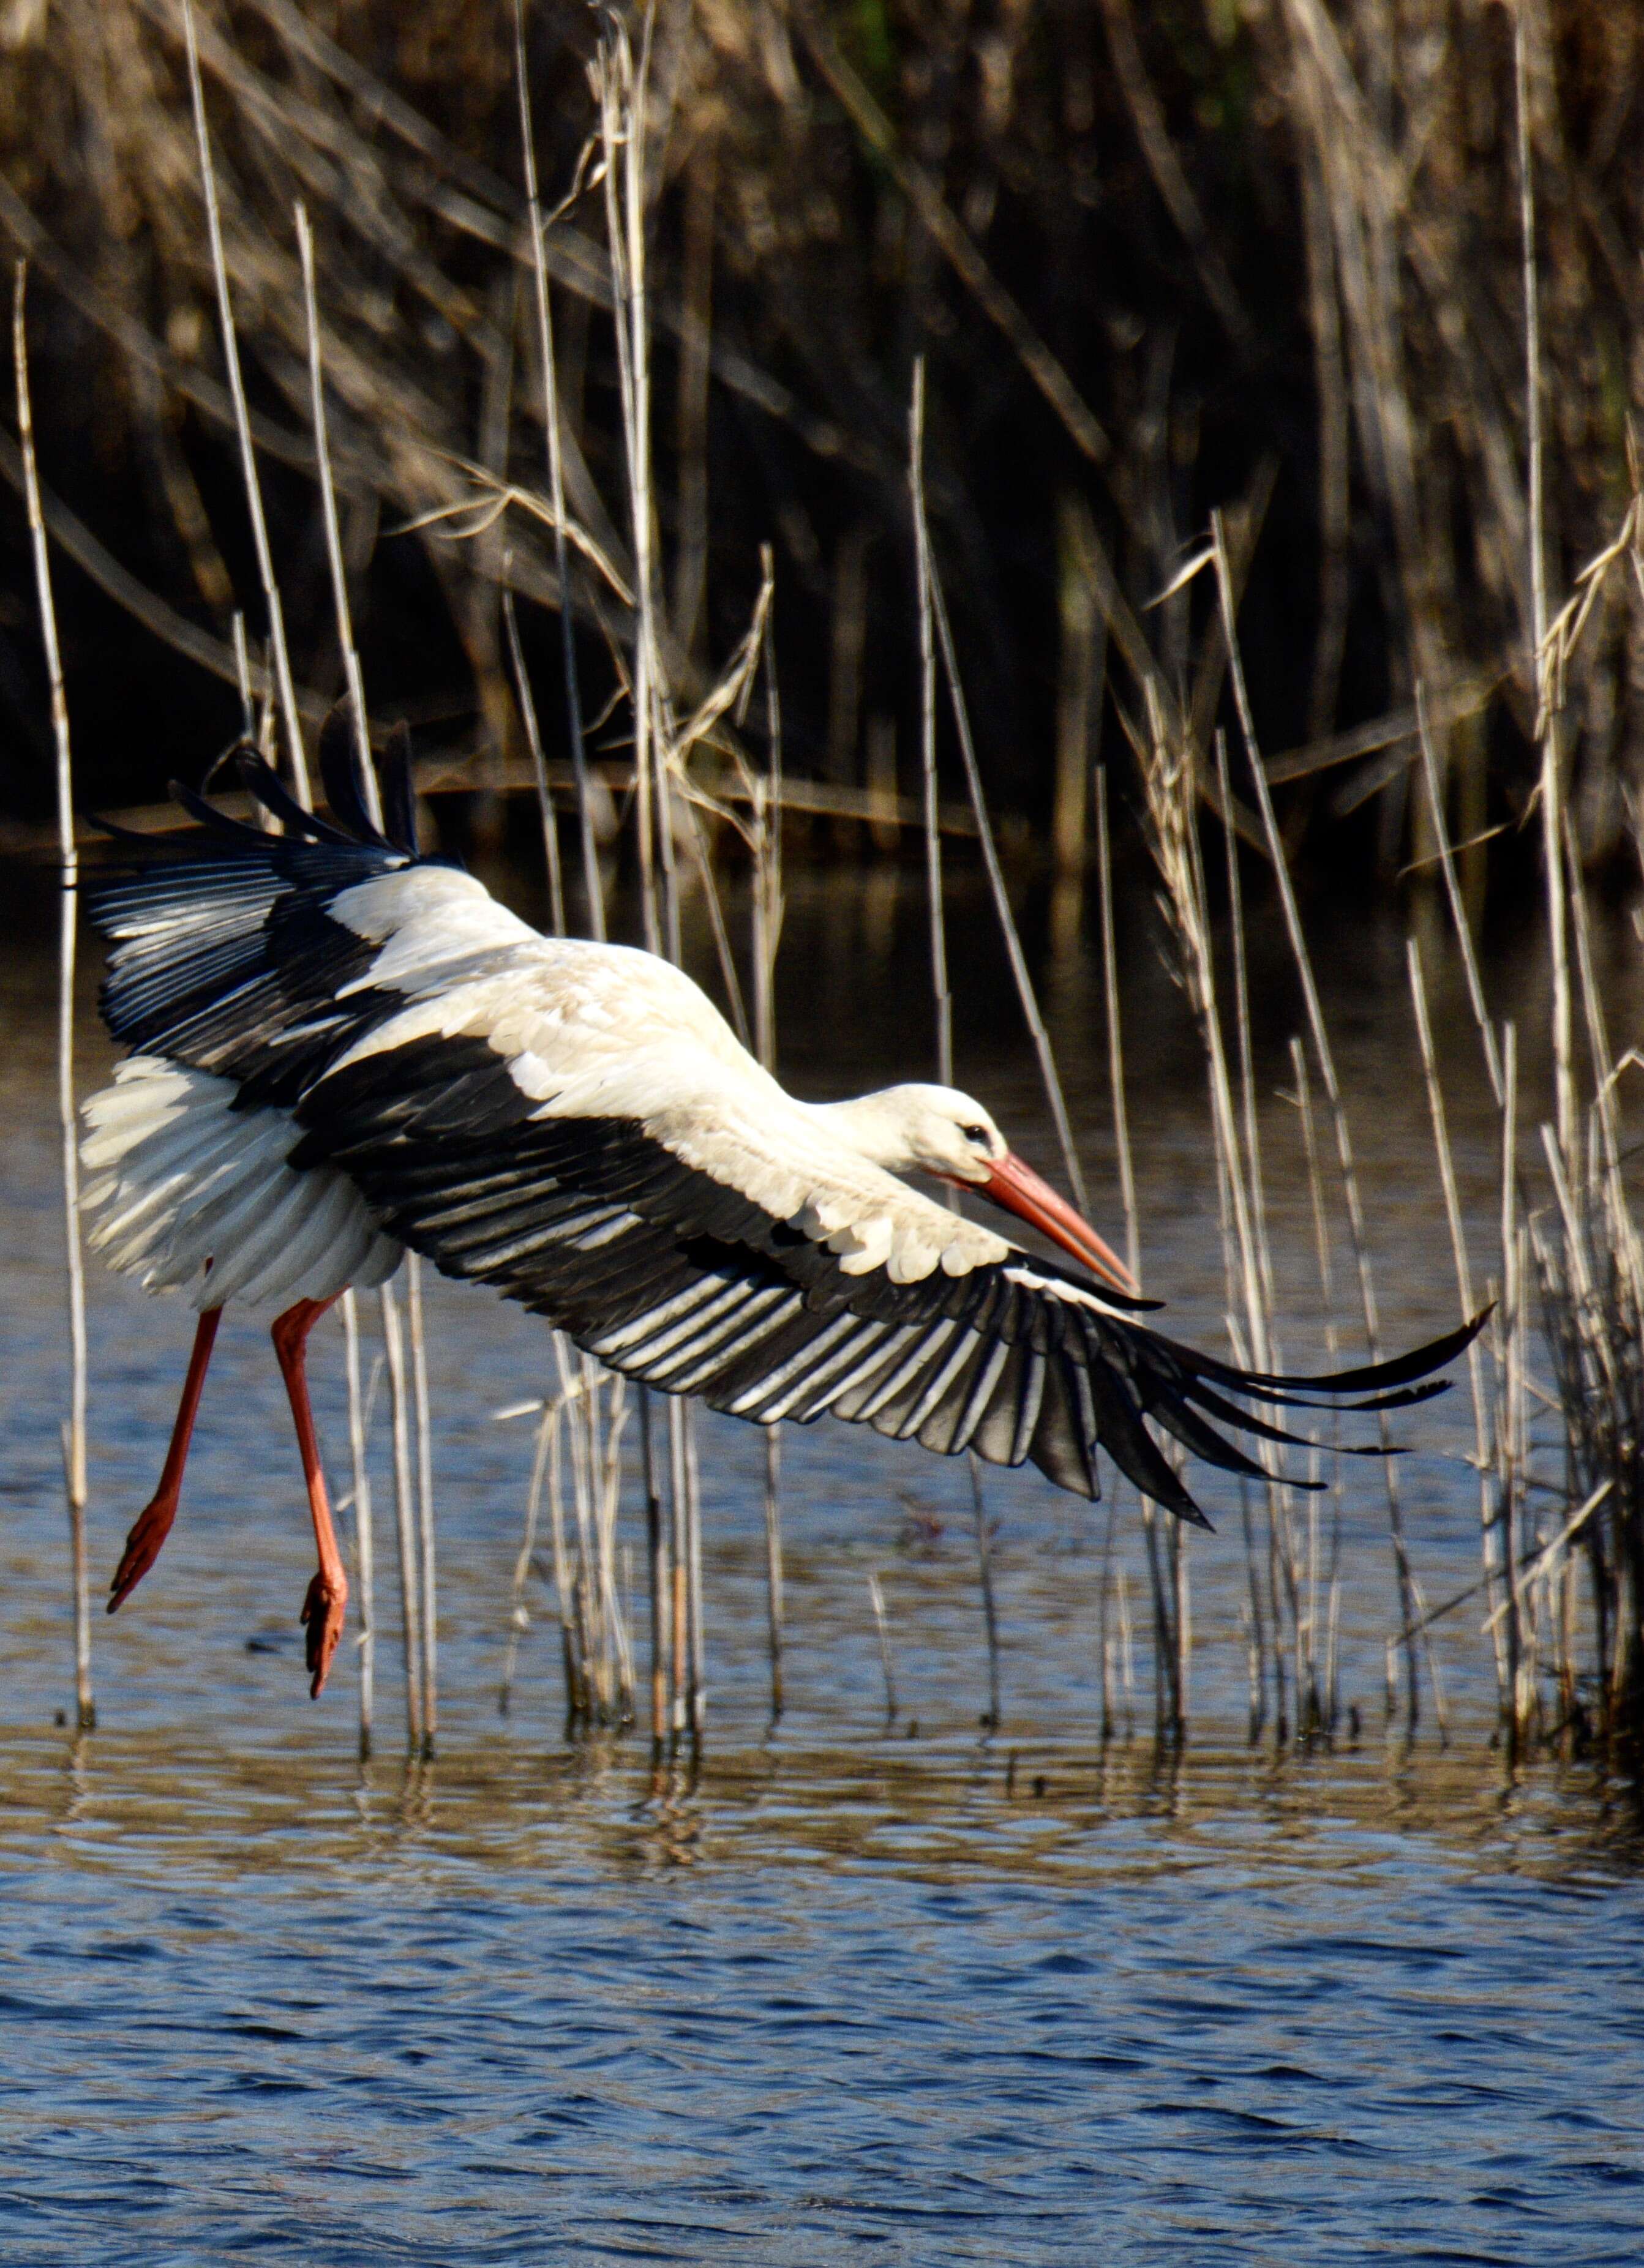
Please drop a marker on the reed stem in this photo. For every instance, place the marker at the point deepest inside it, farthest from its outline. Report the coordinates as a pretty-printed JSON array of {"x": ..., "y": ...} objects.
[
  {"x": 1333, "y": 1095},
  {"x": 1116, "y": 1043},
  {"x": 539, "y": 763},
  {"x": 1495, "y": 1574},
  {"x": 242, "y": 426},
  {"x": 425, "y": 1496},
  {"x": 365, "y": 1542},
  {"x": 333, "y": 531},
  {"x": 767, "y": 922},
  {"x": 591, "y": 881},
  {"x": 1552, "y": 785},
  {"x": 882, "y": 1625},
  {"x": 74, "y": 1471},
  {"x": 990, "y": 1605},
  {"x": 405, "y": 1517},
  {"x": 928, "y": 735}
]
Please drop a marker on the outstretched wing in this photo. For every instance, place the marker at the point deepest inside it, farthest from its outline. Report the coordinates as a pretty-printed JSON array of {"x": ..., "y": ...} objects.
[
  {"x": 575, "y": 1125},
  {"x": 687, "y": 1279}
]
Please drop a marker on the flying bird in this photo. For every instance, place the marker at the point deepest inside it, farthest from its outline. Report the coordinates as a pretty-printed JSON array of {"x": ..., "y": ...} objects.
[{"x": 343, "y": 1049}]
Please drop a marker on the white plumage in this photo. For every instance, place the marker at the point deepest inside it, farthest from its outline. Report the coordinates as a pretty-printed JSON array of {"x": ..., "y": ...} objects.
[
  {"x": 189, "y": 1195},
  {"x": 343, "y": 1050}
]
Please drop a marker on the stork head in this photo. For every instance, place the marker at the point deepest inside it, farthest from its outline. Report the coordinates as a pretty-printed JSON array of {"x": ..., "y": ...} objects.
[{"x": 938, "y": 1131}]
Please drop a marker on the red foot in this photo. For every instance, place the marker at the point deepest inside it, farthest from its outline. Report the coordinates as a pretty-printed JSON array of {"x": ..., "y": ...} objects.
[
  {"x": 149, "y": 1531},
  {"x": 322, "y": 1614}
]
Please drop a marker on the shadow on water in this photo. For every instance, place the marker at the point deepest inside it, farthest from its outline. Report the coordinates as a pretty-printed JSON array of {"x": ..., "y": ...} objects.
[{"x": 926, "y": 1989}]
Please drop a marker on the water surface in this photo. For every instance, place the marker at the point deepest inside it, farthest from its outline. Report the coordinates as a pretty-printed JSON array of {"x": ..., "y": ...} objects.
[{"x": 917, "y": 1993}]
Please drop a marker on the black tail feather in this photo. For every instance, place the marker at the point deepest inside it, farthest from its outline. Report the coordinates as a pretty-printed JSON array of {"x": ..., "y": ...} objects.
[
  {"x": 399, "y": 793},
  {"x": 208, "y": 815},
  {"x": 340, "y": 774},
  {"x": 261, "y": 781}
]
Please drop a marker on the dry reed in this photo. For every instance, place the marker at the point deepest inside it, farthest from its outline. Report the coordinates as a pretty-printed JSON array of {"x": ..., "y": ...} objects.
[
  {"x": 74, "y": 1472},
  {"x": 1567, "y": 1269}
]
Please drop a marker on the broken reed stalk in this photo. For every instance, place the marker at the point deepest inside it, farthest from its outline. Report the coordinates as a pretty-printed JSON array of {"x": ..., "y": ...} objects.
[
  {"x": 365, "y": 1553},
  {"x": 242, "y": 425},
  {"x": 557, "y": 493},
  {"x": 74, "y": 1426},
  {"x": 1407, "y": 1587},
  {"x": 519, "y": 1615},
  {"x": 882, "y": 1622}
]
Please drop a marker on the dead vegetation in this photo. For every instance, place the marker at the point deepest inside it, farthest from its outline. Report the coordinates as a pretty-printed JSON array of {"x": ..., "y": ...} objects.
[{"x": 1295, "y": 352}]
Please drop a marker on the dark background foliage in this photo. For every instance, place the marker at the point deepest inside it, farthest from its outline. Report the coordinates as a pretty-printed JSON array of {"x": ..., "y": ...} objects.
[{"x": 1272, "y": 247}]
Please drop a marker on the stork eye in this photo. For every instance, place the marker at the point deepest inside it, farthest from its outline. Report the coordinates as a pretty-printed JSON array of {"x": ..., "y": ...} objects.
[{"x": 976, "y": 1134}]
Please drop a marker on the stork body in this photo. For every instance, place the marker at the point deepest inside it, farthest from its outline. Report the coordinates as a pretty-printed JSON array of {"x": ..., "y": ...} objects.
[{"x": 343, "y": 1050}]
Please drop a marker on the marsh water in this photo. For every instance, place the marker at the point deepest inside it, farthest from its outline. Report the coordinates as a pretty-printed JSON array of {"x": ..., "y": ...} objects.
[{"x": 919, "y": 1991}]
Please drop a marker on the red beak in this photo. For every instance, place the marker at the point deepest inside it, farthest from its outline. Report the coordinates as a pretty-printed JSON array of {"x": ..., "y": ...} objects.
[{"x": 1019, "y": 1189}]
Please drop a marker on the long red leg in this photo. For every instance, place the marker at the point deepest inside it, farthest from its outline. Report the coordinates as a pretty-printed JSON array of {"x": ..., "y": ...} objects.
[
  {"x": 328, "y": 1594},
  {"x": 152, "y": 1524}
]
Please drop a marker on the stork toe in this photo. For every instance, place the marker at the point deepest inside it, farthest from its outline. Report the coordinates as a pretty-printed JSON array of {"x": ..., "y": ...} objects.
[
  {"x": 149, "y": 1531},
  {"x": 322, "y": 1615}
]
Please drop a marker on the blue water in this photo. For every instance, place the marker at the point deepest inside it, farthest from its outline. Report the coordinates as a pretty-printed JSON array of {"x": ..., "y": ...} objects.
[
  {"x": 829, "y": 2006},
  {"x": 919, "y": 1993}
]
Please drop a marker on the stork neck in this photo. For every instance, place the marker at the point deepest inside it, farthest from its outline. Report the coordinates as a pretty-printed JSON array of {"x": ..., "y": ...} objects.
[{"x": 871, "y": 1125}]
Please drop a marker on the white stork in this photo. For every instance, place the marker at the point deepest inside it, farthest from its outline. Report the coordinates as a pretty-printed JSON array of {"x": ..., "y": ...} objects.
[{"x": 343, "y": 1049}]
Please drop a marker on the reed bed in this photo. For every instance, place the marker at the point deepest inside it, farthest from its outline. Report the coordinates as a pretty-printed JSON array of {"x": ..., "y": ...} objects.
[
  {"x": 679, "y": 778},
  {"x": 1157, "y": 260}
]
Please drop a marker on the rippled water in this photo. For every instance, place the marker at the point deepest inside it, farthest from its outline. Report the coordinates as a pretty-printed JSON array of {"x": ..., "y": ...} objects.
[{"x": 918, "y": 1994}]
